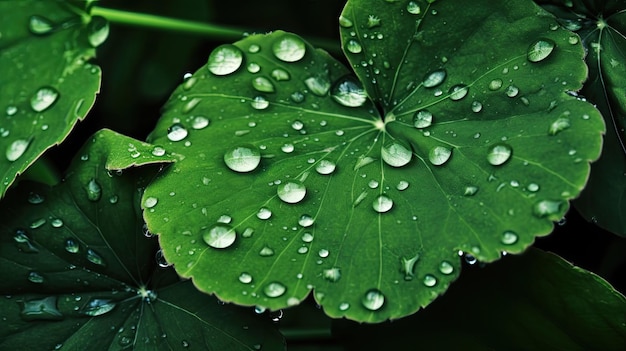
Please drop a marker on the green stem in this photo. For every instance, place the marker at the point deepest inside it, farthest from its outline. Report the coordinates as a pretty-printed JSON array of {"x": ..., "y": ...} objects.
[{"x": 165, "y": 23}]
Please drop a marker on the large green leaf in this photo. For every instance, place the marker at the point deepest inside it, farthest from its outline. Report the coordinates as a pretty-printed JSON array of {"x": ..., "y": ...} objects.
[
  {"x": 602, "y": 27},
  {"x": 78, "y": 271},
  {"x": 536, "y": 301},
  {"x": 47, "y": 85},
  {"x": 293, "y": 181}
]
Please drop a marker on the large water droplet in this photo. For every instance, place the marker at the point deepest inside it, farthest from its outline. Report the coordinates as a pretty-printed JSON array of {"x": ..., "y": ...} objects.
[
  {"x": 43, "y": 98},
  {"x": 291, "y": 192},
  {"x": 289, "y": 48},
  {"x": 243, "y": 158},
  {"x": 353, "y": 46},
  {"x": 98, "y": 31},
  {"x": 382, "y": 204},
  {"x": 396, "y": 154},
  {"x": 458, "y": 92},
  {"x": 434, "y": 78},
  {"x": 41, "y": 309},
  {"x": 177, "y": 132},
  {"x": 439, "y": 155},
  {"x": 349, "y": 92},
  {"x": 219, "y": 236},
  {"x": 263, "y": 85},
  {"x": 94, "y": 190},
  {"x": 39, "y": 25},
  {"x": 559, "y": 125},
  {"x": 422, "y": 119},
  {"x": 225, "y": 59},
  {"x": 274, "y": 289},
  {"x": 259, "y": 103},
  {"x": 318, "y": 85},
  {"x": 508, "y": 238},
  {"x": 16, "y": 149},
  {"x": 325, "y": 167},
  {"x": 373, "y": 300},
  {"x": 98, "y": 307},
  {"x": 499, "y": 154},
  {"x": 540, "y": 50}
]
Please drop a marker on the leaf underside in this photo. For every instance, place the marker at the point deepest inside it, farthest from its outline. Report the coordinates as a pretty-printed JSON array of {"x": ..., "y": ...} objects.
[{"x": 458, "y": 137}]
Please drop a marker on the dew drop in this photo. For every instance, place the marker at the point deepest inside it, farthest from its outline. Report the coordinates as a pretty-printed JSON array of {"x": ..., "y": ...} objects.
[
  {"x": 439, "y": 155},
  {"x": 422, "y": 119},
  {"x": 396, "y": 154},
  {"x": 160, "y": 259},
  {"x": 97, "y": 307},
  {"x": 382, "y": 204},
  {"x": 243, "y": 158},
  {"x": 291, "y": 192},
  {"x": 509, "y": 238},
  {"x": 191, "y": 104},
  {"x": 219, "y": 236},
  {"x": 332, "y": 274},
  {"x": 35, "y": 277},
  {"x": 254, "y": 48},
  {"x": 477, "y": 106},
  {"x": 345, "y": 22},
  {"x": 429, "y": 280},
  {"x": 280, "y": 75},
  {"x": 353, "y": 46},
  {"x": 56, "y": 223},
  {"x": 306, "y": 220},
  {"x": 94, "y": 190},
  {"x": 245, "y": 278},
  {"x": 540, "y": 50},
  {"x": 39, "y": 25},
  {"x": 307, "y": 237},
  {"x": 532, "y": 187},
  {"x": 470, "y": 190},
  {"x": 11, "y": 110},
  {"x": 287, "y": 148},
  {"x": 325, "y": 167},
  {"x": 323, "y": 253},
  {"x": 253, "y": 67},
  {"x": 225, "y": 59},
  {"x": 289, "y": 48},
  {"x": 98, "y": 31},
  {"x": 263, "y": 84},
  {"x": 402, "y": 185},
  {"x": 318, "y": 85},
  {"x": 413, "y": 8},
  {"x": 23, "y": 242},
  {"x": 499, "y": 154},
  {"x": 95, "y": 258},
  {"x": 264, "y": 213},
  {"x": 41, "y": 309},
  {"x": 511, "y": 91},
  {"x": 408, "y": 266},
  {"x": 44, "y": 98},
  {"x": 545, "y": 208},
  {"x": 434, "y": 78},
  {"x": 559, "y": 125},
  {"x": 150, "y": 202},
  {"x": 274, "y": 289},
  {"x": 344, "y": 306},
  {"x": 16, "y": 149},
  {"x": 373, "y": 300},
  {"x": 259, "y": 103},
  {"x": 458, "y": 92},
  {"x": 349, "y": 92},
  {"x": 176, "y": 132},
  {"x": 446, "y": 267},
  {"x": 495, "y": 84}
]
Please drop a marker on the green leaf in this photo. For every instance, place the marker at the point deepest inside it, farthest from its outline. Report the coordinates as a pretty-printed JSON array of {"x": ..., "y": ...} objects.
[
  {"x": 298, "y": 183},
  {"x": 47, "y": 83},
  {"x": 602, "y": 27},
  {"x": 536, "y": 301},
  {"x": 78, "y": 270}
]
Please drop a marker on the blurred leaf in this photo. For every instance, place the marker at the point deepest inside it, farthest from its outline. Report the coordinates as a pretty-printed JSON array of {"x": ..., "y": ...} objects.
[
  {"x": 292, "y": 181},
  {"x": 47, "y": 84},
  {"x": 78, "y": 271},
  {"x": 536, "y": 301}
]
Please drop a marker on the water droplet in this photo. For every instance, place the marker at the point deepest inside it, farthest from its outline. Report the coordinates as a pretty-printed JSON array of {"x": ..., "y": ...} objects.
[
  {"x": 547, "y": 208},
  {"x": 325, "y": 167},
  {"x": 98, "y": 31},
  {"x": 266, "y": 251},
  {"x": 191, "y": 104},
  {"x": 95, "y": 258},
  {"x": 477, "y": 106},
  {"x": 94, "y": 190},
  {"x": 98, "y": 307},
  {"x": 56, "y": 223},
  {"x": 349, "y": 92},
  {"x": 306, "y": 220},
  {"x": 16, "y": 149},
  {"x": 430, "y": 280},
  {"x": 160, "y": 259},
  {"x": 200, "y": 122},
  {"x": 402, "y": 185},
  {"x": 382, "y": 204},
  {"x": 263, "y": 85},
  {"x": 540, "y": 50},
  {"x": 219, "y": 236},
  {"x": 254, "y": 48},
  {"x": 458, "y": 92},
  {"x": 23, "y": 242},
  {"x": 280, "y": 75},
  {"x": 422, "y": 119},
  {"x": 291, "y": 192},
  {"x": 439, "y": 155},
  {"x": 532, "y": 187},
  {"x": 41, "y": 309},
  {"x": 434, "y": 78},
  {"x": 225, "y": 59},
  {"x": 307, "y": 237},
  {"x": 408, "y": 266},
  {"x": 35, "y": 198},
  {"x": 177, "y": 132},
  {"x": 396, "y": 154},
  {"x": 499, "y": 154},
  {"x": 323, "y": 253},
  {"x": 345, "y": 22},
  {"x": 373, "y": 184},
  {"x": 495, "y": 84},
  {"x": 413, "y": 8},
  {"x": 508, "y": 238},
  {"x": 318, "y": 85},
  {"x": 353, "y": 46},
  {"x": 44, "y": 98},
  {"x": 332, "y": 274},
  {"x": 573, "y": 40},
  {"x": 470, "y": 190},
  {"x": 245, "y": 278},
  {"x": 344, "y": 306},
  {"x": 11, "y": 110},
  {"x": 243, "y": 158},
  {"x": 39, "y": 25},
  {"x": 373, "y": 300},
  {"x": 35, "y": 277},
  {"x": 150, "y": 202},
  {"x": 287, "y": 148},
  {"x": 511, "y": 91},
  {"x": 264, "y": 213},
  {"x": 259, "y": 103},
  {"x": 274, "y": 289},
  {"x": 289, "y": 48},
  {"x": 559, "y": 125},
  {"x": 253, "y": 67},
  {"x": 446, "y": 267}
]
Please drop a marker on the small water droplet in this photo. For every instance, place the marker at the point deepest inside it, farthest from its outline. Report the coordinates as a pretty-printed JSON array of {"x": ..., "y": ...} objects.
[
  {"x": 345, "y": 22},
  {"x": 243, "y": 158},
  {"x": 253, "y": 67},
  {"x": 434, "y": 78},
  {"x": 332, "y": 274},
  {"x": 413, "y": 8},
  {"x": 39, "y": 25},
  {"x": 150, "y": 202},
  {"x": 95, "y": 258},
  {"x": 263, "y": 85},
  {"x": 477, "y": 106},
  {"x": 495, "y": 84},
  {"x": 98, "y": 31},
  {"x": 245, "y": 278},
  {"x": 254, "y": 48},
  {"x": 274, "y": 289},
  {"x": 382, "y": 204},
  {"x": 306, "y": 220},
  {"x": 402, "y": 185},
  {"x": 264, "y": 213},
  {"x": 540, "y": 50},
  {"x": 532, "y": 187},
  {"x": 430, "y": 280},
  {"x": 353, "y": 46},
  {"x": 160, "y": 259},
  {"x": 509, "y": 238},
  {"x": 266, "y": 251},
  {"x": 318, "y": 85},
  {"x": 280, "y": 75},
  {"x": 176, "y": 132},
  {"x": 35, "y": 198},
  {"x": 56, "y": 223},
  {"x": 158, "y": 151},
  {"x": 408, "y": 266},
  {"x": 573, "y": 40},
  {"x": 323, "y": 253},
  {"x": 16, "y": 149},
  {"x": 458, "y": 92},
  {"x": 291, "y": 192},
  {"x": 470, "y": 190},
  {"x": 98, "y": 307},
  {"x": 225, "y": 59},
  {"x": 23, "y": 242},
  {"x": 439, "y": 155},
  {"x": 396, "y": 154},
  {"x": 373, "y": 300},
  {"x": 41, "y": 309},
  {"x": 94, "y": 190},
  {"x": 259, "y": 103},
  {"x": 499, "y": 154},
  {"x": 547, "y": 208},
  {"x": 289, "y": 48},
  {"x": 422, "y": 119},
  {"x": 43, "y": 98},
  {"x": 349, "y": 92},
  {"x": 307, "y": 237},
  {"x": 219, "y": 236},
  {"x": 344, "y": 306},
  {"x": 35, "y": 277},
  {"x": 325, "y": 167},
  {"x": 559, "y": 125},
  {"x": 511, "y": 91},
  {"x": 446, "y": 267},
  {"x": 287, "y": 148},
  {"x": 11, "y": 110}
]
